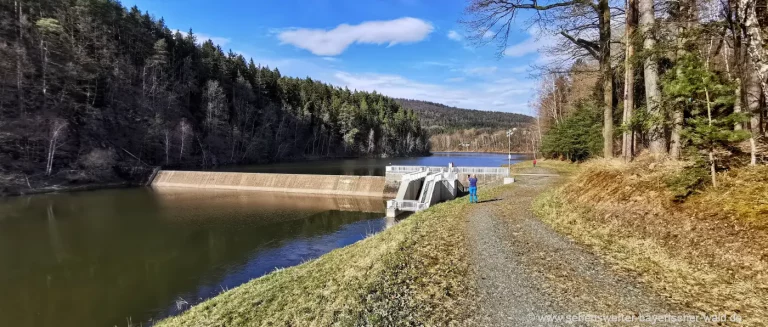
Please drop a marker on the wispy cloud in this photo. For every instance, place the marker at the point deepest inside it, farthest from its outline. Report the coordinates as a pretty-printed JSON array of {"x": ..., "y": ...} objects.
[
  {"x": 335, "y": 41},
  {"x": 200, "y": 38},
  {"x": 455, "y": 79},
  {"x": 503, "y": 94},
  {"x": 453, "y": 35},
  {"x": 536, "y": 42},
  {"x": 331, "y": 59},
  {"x": 480, "y": 71}
]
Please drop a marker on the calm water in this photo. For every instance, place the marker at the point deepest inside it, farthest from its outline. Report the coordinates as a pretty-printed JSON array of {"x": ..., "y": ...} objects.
[
  {"x": 97, "y": 258},
  {"x": 107, "y": 257}
]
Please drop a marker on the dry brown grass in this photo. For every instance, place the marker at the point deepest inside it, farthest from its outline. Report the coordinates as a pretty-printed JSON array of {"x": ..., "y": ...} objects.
[{"x": 708, "y": 253}]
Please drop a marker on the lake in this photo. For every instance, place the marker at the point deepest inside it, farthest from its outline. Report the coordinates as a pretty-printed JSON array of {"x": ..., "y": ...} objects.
[
  {"x": 120, "y": 256},
  {"x": 376, "y": 166}
]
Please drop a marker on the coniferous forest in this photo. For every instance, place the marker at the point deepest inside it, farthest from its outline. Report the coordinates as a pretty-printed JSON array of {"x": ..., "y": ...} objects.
[
  {"x": 87, "y": 85},
  {"x": 468, "y": 130}
]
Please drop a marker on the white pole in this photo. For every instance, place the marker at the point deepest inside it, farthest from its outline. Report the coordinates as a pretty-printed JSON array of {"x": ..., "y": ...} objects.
[{"x": 509, "y": 149}]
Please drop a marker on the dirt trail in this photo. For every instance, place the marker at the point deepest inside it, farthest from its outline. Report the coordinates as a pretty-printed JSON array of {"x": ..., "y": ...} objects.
[{"x": 526, "y": 271}]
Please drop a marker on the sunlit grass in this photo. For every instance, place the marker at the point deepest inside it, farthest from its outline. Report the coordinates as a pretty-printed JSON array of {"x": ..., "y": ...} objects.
[
  {"x": 708, "y": 253},
  {"x": 413, "y": 273}
]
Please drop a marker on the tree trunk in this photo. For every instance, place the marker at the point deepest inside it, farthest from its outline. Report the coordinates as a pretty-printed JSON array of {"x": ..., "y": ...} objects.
[
  {"x": 754, "y": 40},
  {"x": 607, "y": 76},
  {"x": 712, "y": 170},
  {"x": 651, "y": 73},
  {"x": 737, "y": 103},
  {"x": 684, "y": 18},
  {"x": 629, "y": 82},
  {"x": 19, "y": 58},
  {"x": 753, "y": 108}
]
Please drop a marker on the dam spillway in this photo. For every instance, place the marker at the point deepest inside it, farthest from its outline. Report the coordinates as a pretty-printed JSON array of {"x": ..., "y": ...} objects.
[{"x": 370, "y": 186}]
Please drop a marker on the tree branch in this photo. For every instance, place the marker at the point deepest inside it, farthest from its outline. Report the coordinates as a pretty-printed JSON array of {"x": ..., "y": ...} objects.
[{"x": 590, "y": 46}]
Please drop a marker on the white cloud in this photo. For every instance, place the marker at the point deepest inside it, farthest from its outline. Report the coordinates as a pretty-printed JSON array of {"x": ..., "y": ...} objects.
[
  {"x": 200, "y": 38},
  {"x": 333, "y": 42},
  {"x": 488, "y": 34},
  {"x": 479, "y": 71},
  {"x": 519, "y": 69},
  {"x": 535, "y": 42},
  {"x": 453, "y": 35},
  {"x": 503, "y": 94},
  {"x": 332, "y": 59},
  {"x": 455, "y": 79}
]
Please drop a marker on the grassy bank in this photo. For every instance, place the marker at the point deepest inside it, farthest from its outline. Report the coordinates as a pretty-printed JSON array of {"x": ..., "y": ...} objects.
[
  {"x": 708, "y": 252},
  {"x": 413, "y": 273}
]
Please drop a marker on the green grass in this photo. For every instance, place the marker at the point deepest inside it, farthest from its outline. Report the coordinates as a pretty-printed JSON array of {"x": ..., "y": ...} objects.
[{"x": 415, "y": 273}]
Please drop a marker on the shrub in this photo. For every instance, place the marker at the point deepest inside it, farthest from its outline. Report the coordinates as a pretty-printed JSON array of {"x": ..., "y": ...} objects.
[{"x": 578, "y": 137}]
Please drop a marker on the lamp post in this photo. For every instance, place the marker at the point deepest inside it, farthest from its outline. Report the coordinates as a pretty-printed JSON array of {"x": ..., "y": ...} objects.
[{"x": 509, "y": 142}]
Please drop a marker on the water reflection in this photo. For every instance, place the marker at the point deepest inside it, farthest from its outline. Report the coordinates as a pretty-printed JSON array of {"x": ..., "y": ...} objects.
[{"x": 97, "y": 258}]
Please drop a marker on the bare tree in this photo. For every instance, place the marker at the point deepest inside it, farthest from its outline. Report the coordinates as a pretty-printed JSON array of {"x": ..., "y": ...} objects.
[
  {"x": 57, "y": 132},
  {"x": 18, "y": 6},
  {"x": 578, "y": 21},
  {"x": 184, "y": 130}
]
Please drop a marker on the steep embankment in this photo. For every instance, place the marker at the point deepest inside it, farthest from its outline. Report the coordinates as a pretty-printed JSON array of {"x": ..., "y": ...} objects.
[
  {"x": 707, "y": 253},
  {"x": 415, "y": 273}
]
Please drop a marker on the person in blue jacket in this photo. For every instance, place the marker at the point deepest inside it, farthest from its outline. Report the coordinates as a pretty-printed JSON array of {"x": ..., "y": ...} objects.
[{"x": 472, "y": 188}]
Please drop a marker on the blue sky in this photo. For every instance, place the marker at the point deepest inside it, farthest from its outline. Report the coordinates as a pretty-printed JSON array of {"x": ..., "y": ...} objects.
[{"x": 402, "y": 48}]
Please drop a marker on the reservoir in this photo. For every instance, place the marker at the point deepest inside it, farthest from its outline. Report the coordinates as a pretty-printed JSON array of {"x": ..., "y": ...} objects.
[{"x": 127, "y": 257}]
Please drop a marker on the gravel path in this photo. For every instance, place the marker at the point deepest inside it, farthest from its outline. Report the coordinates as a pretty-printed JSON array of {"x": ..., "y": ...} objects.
[{"x": 525, "y": 270}]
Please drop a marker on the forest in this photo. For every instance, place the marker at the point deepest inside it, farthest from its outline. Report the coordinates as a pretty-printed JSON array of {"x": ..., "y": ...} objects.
[
  {"x": 439, "y": 118},
  {"x": 458, "y": 129},
  {"x": 683, "y": 80},
  {"x": 88, "y": 85}
]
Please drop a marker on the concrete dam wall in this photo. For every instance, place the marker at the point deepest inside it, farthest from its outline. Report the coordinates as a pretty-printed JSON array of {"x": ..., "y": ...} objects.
[{"x": 373, "y": 186}]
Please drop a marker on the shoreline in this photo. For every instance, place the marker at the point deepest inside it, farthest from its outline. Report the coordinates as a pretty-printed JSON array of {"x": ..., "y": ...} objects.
[{"x": 379, "y": 280}]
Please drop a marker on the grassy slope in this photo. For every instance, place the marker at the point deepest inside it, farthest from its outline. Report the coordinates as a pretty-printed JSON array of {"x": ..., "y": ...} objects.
[
  {"x": 414, "y": 272},
  {"x": 708, "y": 253}
]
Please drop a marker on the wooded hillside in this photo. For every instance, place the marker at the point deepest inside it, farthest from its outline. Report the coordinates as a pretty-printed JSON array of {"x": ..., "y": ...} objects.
[
  {"x": 86, "y": 85},
  {"x": 457, "y": 129},
  {"x": 439, "y": 118}
]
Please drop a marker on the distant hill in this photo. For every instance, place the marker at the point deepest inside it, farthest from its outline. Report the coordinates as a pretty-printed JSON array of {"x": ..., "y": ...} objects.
[{"x": 441, "y": 118}]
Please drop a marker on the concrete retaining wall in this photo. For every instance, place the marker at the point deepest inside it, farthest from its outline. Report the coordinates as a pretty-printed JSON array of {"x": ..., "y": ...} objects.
[{"x": 373, "y": 186}]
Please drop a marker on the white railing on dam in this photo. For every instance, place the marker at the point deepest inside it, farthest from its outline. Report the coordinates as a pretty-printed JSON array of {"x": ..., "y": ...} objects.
[
  {"x": 458, "y": 170},
  {"x": 406, "y": 205}
]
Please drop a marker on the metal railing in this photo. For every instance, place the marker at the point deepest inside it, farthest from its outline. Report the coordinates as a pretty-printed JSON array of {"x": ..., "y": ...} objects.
[
  {"x": 415, "y": 175},
  {"x": 406, "y": 205},
  {"x": 458, "y": 170}
]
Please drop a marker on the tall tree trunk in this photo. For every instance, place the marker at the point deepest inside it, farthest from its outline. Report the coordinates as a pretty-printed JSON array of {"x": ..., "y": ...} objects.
[
  {"x": 651, "y": 74},
  {"x": 629, "y": 81},
  {"x": 753, "y": 108},
  {"x": 685, "y": 16},
  {"x": 607, "y": 76},
  {"x": 759, "y": 60},
  {"x": 19, "y": 58},
  {"x": 754, "y": 40}
]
